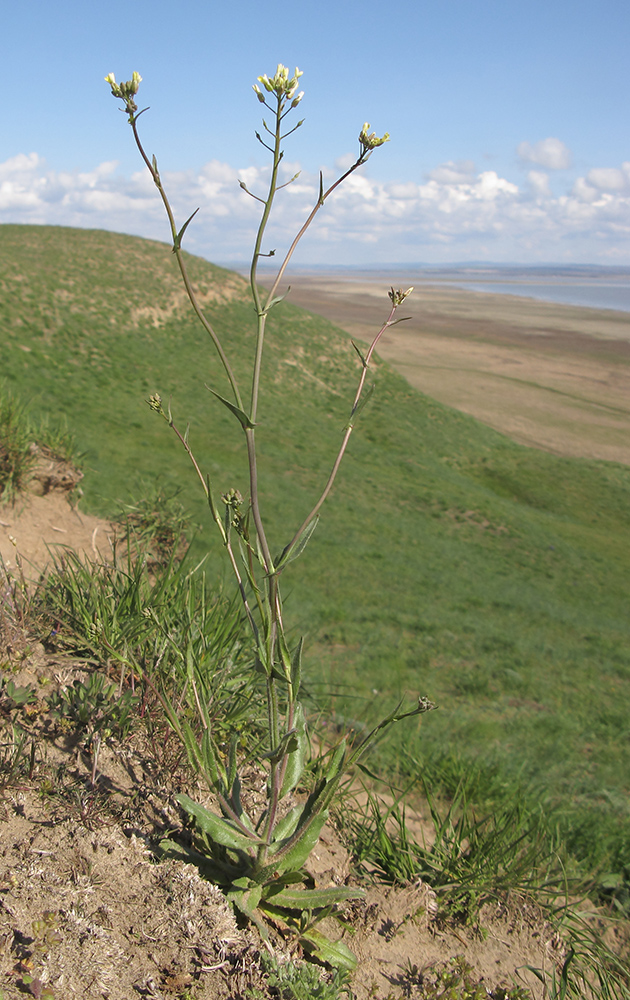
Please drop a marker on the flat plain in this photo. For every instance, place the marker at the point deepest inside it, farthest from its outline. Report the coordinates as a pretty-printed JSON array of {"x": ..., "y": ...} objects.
[{"x": 549, "y": 375}]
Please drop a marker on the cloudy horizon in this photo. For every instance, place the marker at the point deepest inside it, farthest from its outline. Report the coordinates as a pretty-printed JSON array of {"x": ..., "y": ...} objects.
[
  {"x": 455, "y": 212},
  {"x": 509, "y": 126}
]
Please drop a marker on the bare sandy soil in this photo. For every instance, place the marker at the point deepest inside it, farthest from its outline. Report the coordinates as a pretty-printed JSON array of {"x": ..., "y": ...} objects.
[{"x": 553, "y": 376}]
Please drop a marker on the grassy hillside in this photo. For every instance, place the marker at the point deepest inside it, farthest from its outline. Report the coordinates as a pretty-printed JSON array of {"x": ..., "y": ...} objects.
[{"x": 450, "y": 562}]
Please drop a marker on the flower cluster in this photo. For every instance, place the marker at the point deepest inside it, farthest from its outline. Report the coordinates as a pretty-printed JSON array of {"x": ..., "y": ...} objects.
[
  {"x": 397, "y": 295},
  {"x": 370, "y": 140},
  {"x": 125, "y": 91},
  {"x": 155, "y": 402},
  {"x": 280, "y": 85}
]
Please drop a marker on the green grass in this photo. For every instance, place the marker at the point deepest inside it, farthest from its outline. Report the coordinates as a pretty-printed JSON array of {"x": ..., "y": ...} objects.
[{"x": 450, "y": 562}]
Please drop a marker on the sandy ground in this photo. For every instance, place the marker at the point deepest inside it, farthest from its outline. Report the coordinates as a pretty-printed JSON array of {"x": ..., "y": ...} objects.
[{"x": 553, "y": 376}]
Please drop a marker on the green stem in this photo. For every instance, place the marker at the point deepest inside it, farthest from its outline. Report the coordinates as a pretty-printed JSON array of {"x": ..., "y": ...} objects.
[
  {"x": 182, "y": 266},
  {"x": 320, "y": 202},
  {"x": 348, "y": 431},
  {"x": 261, "y": 312}
]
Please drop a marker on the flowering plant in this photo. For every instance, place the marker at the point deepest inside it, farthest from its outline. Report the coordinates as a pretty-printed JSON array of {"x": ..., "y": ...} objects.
[{"x": 260, "y": 860}]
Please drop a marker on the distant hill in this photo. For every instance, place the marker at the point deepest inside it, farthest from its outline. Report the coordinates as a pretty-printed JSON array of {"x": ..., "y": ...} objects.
[{"x": 450, "y": 562}]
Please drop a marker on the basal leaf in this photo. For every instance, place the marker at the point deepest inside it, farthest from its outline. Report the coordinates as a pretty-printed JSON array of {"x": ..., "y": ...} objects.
[
  {"x": 297, "y": 756},
  {"x": 295, "y": 855},
  {"x": 313, "y": 899},
  {"x": 220, "y": 830},
  {"x": 334, "y": 953}
]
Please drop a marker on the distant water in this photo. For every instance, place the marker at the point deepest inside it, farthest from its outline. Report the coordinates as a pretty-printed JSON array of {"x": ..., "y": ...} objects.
[{"x": 595, "y": 294}]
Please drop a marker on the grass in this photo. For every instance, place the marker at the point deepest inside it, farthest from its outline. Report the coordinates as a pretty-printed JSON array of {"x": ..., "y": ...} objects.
[
  {"x": 153, "y": 627},
  {"x": 488, "y": 576}
]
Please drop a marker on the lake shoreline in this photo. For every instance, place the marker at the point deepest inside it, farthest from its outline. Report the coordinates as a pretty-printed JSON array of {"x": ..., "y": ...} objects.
[{"x": 549, "y": 375}]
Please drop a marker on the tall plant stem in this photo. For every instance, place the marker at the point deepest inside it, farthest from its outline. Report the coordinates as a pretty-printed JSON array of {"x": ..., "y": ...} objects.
[
  {"x": 320, "y": 203},
  {"x": 152, "y": 167},
  {"x": 348, "y": 431}
]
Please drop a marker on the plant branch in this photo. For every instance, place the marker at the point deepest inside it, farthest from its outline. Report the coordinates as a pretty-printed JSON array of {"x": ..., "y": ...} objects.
[{"x": 152, "y": 168}]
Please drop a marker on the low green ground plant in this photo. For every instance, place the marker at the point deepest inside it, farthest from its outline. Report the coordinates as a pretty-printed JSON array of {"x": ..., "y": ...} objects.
[
  {"x": 454, "y": 980},
  {"x": 259, "y": 859},
  {"x": 299, "y": 981},
  {"x": 160, "y": 629},
  {"x": 21, "y": 440},
  {"x": 16, "y": 457}
]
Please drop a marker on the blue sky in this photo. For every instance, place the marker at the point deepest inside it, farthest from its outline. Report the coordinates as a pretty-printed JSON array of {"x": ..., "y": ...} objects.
[{"x": 509, "y": 124}]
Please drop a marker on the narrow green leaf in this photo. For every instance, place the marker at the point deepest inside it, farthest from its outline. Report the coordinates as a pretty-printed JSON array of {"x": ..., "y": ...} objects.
[
  {"x": 246, "y": 900},
  {"x": 213, "y": 769},
  {"x": 189, "y": 740},
  {"x": 287, "y": 744},
  {"x": 360, "y": 353},
  {"x": 334, "y": 953},
  {"x": 277, "y": 298},
  {"x": 177, "y": 242},
  {"x": 286, "y": 827},
  {"x": 231, "y": 774},
  {"x": 296, "y": 756},
  {"x": 296, "y": 668},
  {"x": 424, "y": 705},
  {"x": 296, "y": 548},
  {"x": 244, "y": 420},
  {"x": 293, "y": 857},
  {"x": 357, "y": 409},
  {"x": 311, "y": 899},
  {"x": 220, "y": 830}
]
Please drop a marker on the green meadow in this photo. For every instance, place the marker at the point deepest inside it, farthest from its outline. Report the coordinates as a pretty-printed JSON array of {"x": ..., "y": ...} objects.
[{"x": 449, "y": 561}]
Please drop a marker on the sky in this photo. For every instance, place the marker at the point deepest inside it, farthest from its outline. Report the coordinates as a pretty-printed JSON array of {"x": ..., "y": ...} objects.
[{"x": 509, "y": 124}]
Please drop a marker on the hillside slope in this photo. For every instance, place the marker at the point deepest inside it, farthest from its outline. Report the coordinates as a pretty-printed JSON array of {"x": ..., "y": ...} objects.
[{"x": 450, "y": 561}]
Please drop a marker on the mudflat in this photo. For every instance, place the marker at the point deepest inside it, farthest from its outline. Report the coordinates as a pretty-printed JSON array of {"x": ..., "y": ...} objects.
[{"x": 549, "y": 375}]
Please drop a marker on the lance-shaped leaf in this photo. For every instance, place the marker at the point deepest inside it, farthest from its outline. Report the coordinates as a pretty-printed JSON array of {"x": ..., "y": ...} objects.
[
  {"x": 334, "y": 953},
  {"x": 286, "y": 827},
  {"x": 213, "y": 768},
  {"x": 246, "y": 900},
  {"x": 287, "y": 744},
  {"x": 357, "y": 409},
  {"x": 310, "y": 899},
  {"x": 295, "y": 854},
  {"x": 297, "y": 754},
  {"x": 296, "y": 668},
  {"x": 360, "y": 353},
  {"x": 277, "y": 298},
  {"x": 296, "y": 548},
  {"x": 177, "y": 242},
  {"x": 424, "y": 705},
  {"x": 244, "y": 420},
  {"x": 221, "y": 831}
]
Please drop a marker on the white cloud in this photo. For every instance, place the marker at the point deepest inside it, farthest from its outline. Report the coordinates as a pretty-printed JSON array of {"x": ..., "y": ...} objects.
[
  {"x": 456, "y": 213},
  {"x": 539, "y": 182},
  {"x": 550, "y": 153},
  {"x": 453, "y": 172},
  {"x": 609, "y": 178}
]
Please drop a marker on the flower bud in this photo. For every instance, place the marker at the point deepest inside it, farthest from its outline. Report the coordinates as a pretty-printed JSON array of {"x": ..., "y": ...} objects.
[
  {"x": 371, "y": 140},
  {"x": 397, "y": 296}
]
